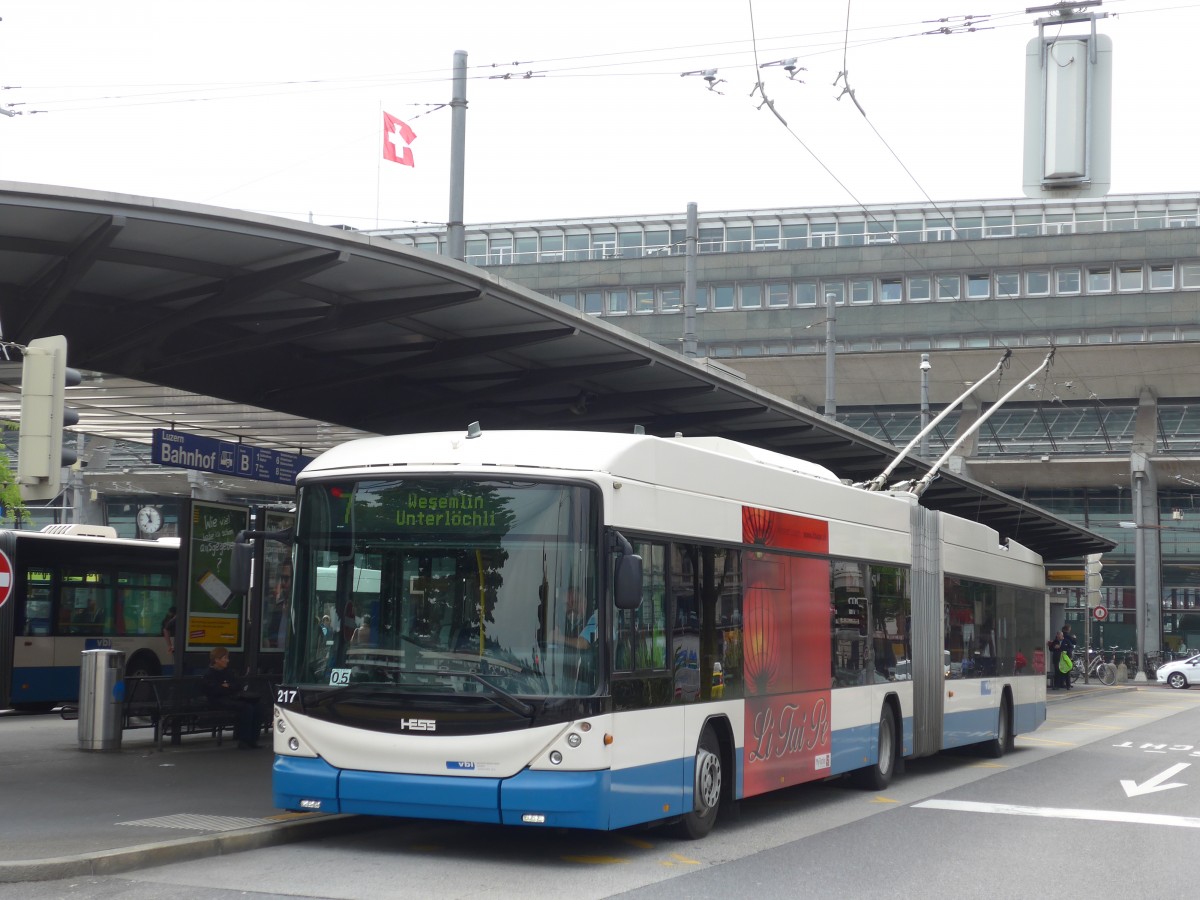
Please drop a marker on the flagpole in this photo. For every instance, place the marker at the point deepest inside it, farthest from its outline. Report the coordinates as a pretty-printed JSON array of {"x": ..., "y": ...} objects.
[
  {"x": 379, "y": 161},
  {"x": 455, "y": 232}
]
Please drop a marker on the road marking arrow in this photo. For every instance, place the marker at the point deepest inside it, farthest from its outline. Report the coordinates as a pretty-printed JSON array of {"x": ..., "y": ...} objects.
[{"x": 1133, "y": 789}]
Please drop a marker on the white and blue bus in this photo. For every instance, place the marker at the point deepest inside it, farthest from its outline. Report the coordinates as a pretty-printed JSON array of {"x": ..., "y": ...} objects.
[
  {"x": 596, "y": 630},
  {"x": 76, "y": 588}
]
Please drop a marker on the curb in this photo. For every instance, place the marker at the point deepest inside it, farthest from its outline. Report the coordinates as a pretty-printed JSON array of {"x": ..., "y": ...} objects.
[{"x": 142, "y": 856}]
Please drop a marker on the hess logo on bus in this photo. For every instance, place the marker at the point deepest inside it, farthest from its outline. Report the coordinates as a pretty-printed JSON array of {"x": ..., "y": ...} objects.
[{"x": 418, "y": 725}]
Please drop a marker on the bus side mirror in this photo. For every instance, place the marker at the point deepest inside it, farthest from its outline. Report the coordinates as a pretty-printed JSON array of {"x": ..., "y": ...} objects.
[
  {"x": 627, "y": 593},
  {"x": 239, "y": 567}
]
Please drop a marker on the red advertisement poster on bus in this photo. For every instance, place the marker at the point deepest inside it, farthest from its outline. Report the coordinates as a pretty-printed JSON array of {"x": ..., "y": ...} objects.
[{"x": 787, "y": 652}]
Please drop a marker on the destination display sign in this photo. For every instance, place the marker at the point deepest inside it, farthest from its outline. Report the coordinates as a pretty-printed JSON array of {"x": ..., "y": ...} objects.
[{"x": 191, "y": 451}]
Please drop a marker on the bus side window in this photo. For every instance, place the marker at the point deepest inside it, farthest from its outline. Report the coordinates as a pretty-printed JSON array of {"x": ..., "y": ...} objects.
[
  {"x": 640, "y": 634},
  {"x": 36, "y": 614}
]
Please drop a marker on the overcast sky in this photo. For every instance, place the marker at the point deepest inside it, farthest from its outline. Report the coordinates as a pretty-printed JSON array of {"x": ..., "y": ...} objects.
[{"x": 275, "y": 107}]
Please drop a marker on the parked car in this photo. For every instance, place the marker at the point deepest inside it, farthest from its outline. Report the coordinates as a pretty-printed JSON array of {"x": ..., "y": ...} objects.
[{"x": 1180, "y": 673}]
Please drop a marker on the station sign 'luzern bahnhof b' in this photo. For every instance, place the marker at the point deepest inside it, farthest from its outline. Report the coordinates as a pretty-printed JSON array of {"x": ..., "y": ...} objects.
[{"x": 191, "y": 451}]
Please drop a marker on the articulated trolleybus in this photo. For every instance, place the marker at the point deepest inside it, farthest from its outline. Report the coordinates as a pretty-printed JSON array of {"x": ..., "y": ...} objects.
[{"x": 595, "y": 630}]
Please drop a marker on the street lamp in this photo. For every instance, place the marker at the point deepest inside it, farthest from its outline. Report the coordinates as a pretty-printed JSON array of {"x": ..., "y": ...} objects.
[{"x": 925, "y": 367}]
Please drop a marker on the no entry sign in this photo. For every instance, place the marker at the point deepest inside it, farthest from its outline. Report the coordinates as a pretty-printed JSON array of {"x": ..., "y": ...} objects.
[{"x": 6, "y": 577}]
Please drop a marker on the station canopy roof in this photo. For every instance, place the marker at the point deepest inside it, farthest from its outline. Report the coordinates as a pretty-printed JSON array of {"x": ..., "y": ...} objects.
[{"x": 298, "y": 337}]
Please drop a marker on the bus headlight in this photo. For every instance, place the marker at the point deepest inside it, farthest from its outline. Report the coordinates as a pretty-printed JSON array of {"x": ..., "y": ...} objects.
[
  {"x": 574, "y": 740},
  {"x": 555, "y": 757}
]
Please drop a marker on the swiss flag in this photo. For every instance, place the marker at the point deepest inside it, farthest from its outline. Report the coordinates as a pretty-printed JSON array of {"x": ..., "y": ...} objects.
[{"x": 396, "y": 139}]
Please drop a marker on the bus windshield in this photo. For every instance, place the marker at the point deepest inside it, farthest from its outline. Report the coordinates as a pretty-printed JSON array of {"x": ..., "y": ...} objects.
[{"x": 446, "y": 584}]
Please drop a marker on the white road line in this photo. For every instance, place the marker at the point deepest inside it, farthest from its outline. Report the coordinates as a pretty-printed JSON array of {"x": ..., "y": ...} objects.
[{"x": 1050, "y": 812}]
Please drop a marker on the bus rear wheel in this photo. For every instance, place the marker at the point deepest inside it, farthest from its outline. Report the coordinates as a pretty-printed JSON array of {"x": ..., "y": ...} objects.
[
  {"x": 1003, "y": 742},
  {"x": 706, "y": 789},
  {"x": 878, "y": 776}
]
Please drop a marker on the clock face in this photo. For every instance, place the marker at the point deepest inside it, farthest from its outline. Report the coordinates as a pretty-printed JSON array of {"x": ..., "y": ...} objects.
[{"x": 149, "y": 519}]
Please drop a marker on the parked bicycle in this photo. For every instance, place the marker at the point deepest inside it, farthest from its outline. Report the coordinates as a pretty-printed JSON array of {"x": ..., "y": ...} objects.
[{"x": 1097, "y": 667}]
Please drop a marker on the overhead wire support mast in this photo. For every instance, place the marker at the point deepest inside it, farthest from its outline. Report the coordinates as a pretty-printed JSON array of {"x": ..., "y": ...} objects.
[
  {"x": 919, "y": 487},
  {"x": 879, "y": 481}
]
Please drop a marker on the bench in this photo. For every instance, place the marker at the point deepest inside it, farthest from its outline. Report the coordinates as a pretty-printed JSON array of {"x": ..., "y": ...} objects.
[{"x": 179, "y": 706}]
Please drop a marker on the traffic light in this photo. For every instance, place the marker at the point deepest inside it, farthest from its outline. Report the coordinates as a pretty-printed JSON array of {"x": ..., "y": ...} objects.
[{"x": 40, "y": 453}]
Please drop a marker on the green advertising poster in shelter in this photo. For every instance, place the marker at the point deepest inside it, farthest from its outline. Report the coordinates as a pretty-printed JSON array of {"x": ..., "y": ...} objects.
[{"x": 216, "y": 615}]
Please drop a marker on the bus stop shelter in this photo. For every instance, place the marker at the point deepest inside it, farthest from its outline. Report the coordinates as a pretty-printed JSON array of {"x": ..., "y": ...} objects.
[{"x": 297, "y": 337}]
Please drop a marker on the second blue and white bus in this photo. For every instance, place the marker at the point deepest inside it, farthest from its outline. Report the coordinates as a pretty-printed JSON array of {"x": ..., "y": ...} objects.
[{"x": 594, "y": 630}]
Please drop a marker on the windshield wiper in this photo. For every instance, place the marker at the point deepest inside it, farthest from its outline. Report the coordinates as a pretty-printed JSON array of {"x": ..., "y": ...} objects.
[{"x": 504, "y": 699}]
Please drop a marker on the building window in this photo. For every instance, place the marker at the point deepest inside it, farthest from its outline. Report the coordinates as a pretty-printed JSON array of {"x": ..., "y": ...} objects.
[
  {"x": 999, "y": 226},
  {"x": 1189, "y": 275},
  {"x": 979, "y": 286},
  {"x": 570, "y": 300},
  {"x": 1037, "y": 283},
  {"x": 795, "y": 237},
  {"x": 657, "y": 242},
  {"x": 908, "y": 231},
  {"x": 751, "y": 296},
  {"x": 833, "y": 293},
  {"x": 777, "y": 348},
  {"x": 949, "y": 287},
  {"x": 500, "y": 252},
  {"x": 1162, "y": 278},
  {"x": 824, "y": 234},
  {"x": 850, "y": 234},
  {"x": 1099, "y": 337},
  {"x": 806, "y": 293},
  {"x": 968, "y": 227},
  {"x": 1008, "y": 284},
  {"x": 711, "y": 240},
  {"x": 737, "y": 239},
  {"x": 593, "y": 303},
  {"x": 604, "y": 246},
  {"x": 701, "y": 298},
  {"x": 578, "y": 246},
  {"x": 779, "y": 294},
  {"x": 1129, "y": 278},
  {"x": 1066, "y": 281},
  {"x": 918, "y": 288},
  {"x": 723, "y": 296},
  {"x": 631, "y": 244},
  {"x": 618, "y": 303},
  {"x": 476, "y": 252},
  {"x": 1099, "y": 280},
  {"x": 643, "y": 300},
  {"x": 861, "y": 291},
  {"x": 948, "y": 343},
  {"x": 766, "y": 237},
  {"x": 527, "y": 249},
  {"x": 1130, "y": 337},
  {"x": 670, "y": 299},
  {"x": 552, "y": 248},
  {"x": 891, "y": 290}
]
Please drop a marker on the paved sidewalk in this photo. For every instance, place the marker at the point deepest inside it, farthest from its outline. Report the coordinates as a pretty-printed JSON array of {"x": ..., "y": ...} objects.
[{"x": 70, "y": 812}]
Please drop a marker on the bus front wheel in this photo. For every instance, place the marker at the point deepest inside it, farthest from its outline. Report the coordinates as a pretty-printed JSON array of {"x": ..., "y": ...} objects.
[
  {"x": 706, "y": 789},
  {"x": 141, "y": 665}
]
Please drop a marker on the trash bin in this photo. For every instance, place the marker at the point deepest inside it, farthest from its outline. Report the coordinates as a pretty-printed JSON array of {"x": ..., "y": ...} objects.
[{"x": 101, "y": 690}]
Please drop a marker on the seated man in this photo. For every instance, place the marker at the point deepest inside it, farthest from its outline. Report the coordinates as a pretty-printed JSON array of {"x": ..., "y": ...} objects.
[{"x": 225, "y": 690}]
